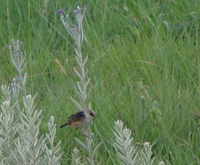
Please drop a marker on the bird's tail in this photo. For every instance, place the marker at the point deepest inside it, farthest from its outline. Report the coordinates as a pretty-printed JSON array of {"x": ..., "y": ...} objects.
[{"x": 66, "y": 124}]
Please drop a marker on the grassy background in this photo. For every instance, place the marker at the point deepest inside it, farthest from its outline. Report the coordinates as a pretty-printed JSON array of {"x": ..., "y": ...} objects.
[{"x": 144, "y": 60}]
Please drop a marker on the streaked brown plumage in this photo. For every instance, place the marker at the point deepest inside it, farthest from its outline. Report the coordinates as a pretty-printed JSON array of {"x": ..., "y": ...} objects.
[{"x": 79, "y": 119}]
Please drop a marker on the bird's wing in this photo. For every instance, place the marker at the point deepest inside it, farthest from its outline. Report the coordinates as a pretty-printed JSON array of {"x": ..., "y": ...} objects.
[{"x": 76, "y": 117}]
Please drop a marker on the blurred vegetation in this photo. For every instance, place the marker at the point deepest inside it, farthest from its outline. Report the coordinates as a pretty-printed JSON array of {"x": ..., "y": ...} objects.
[{"x": 144, "y": 61}]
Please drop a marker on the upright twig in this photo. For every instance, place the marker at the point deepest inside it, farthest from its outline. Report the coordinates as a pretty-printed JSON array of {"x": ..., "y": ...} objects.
[{"x": 82, "y": 88}]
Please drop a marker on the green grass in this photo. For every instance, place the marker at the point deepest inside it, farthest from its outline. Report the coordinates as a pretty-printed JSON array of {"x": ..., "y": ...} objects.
[{"x": 151, "y": 50}]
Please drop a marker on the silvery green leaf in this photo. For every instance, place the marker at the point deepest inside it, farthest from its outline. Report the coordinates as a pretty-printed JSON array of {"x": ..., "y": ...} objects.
[
  {"x": 96, "y": 148},
  {"x": 81, "y": 143}
]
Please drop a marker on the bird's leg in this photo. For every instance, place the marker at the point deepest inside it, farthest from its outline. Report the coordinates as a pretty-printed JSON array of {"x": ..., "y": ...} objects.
[{"x": 84, "y": 133}]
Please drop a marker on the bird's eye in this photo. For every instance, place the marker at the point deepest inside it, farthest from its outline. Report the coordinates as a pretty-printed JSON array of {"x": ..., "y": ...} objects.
[{"x": 91, "y": 114}]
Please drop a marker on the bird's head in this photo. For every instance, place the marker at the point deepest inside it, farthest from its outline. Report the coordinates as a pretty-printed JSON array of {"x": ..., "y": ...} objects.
[{"x": 90, "y": 113}]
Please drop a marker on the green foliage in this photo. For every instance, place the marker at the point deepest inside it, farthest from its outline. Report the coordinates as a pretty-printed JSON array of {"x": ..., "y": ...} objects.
[
  {"x": 82, "y": 89},
  {"x": 139, "y": 52},
  {"x": 127, "y": 153},
  {"x": 21, "y": 142}
]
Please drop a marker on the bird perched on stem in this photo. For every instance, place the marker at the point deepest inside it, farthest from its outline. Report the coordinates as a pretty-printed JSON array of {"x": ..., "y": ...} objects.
[{"x": 79, "y": 119}]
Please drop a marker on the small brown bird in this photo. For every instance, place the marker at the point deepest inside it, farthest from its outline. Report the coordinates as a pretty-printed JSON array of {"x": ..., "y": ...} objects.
[{"x": 79, "y": 119}]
